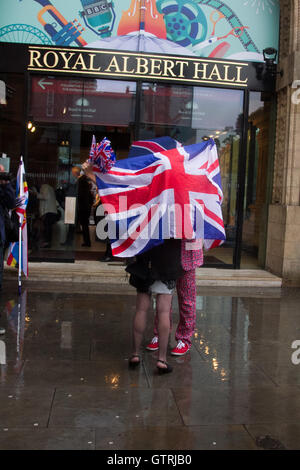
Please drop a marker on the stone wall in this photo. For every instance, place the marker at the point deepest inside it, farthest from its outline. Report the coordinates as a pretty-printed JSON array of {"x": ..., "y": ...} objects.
[{"x": 283, "y": 245}]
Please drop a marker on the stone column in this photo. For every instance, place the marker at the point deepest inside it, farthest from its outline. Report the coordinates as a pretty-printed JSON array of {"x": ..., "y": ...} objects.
[{"x": 283, "y": 244}]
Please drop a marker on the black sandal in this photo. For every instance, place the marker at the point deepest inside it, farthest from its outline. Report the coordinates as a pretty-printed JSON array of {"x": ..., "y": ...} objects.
[
  {"x": 164, "y": 370},
  {"x": 133, "y": 364}
]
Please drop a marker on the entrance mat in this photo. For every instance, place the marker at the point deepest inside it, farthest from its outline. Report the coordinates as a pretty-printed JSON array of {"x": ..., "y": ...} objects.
[
  {"x": 88, "y": 255},
  {"x": 208, "y": 260},
  {"x": 55, "y": 256}
]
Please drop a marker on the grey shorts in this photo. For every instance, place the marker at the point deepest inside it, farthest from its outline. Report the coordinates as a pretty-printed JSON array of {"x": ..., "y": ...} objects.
[{"x": 159, "y": 287}]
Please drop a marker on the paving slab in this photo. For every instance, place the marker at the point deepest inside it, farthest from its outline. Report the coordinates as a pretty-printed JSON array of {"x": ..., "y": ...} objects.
[
  {"x": 121, "y": 408},
  {"x": 239, "y": 405},
  {"x": 59, "y": 373},
  {"x": 35, "y": 438},
  {"x": 25, "y": 407},
  {"x": 154, "y": 438},
  {"x": 288, "y": 435}
]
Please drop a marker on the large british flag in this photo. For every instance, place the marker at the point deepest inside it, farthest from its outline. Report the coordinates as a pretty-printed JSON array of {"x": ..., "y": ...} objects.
[{"x": 172, "y": 193}]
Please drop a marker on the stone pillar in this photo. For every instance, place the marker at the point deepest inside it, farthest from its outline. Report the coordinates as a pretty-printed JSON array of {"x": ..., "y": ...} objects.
[{"x": 283, "y": 244}]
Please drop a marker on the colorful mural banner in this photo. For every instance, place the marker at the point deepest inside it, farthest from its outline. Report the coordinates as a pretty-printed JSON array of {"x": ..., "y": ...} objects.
[{"x": 232, "y": 29}]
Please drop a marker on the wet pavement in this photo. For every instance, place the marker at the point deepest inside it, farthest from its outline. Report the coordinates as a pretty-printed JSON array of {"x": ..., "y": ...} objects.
[{"x": 65, "y": 382}]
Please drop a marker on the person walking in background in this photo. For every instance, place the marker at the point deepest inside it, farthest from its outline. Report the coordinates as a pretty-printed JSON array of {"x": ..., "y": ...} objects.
[
  {"x": 48, "y": 212},
  {"x": 71, "y": 191},
  {"x": 191, "y": 258},
  {"x": 108, "y": 252},
  {"x": 85, "y": 200},
  {"x": 7, "y": 202}
]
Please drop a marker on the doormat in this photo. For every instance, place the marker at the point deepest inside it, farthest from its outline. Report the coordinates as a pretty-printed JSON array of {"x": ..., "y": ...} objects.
[
  {"x": 212, "y": 260},
  {"x": 88, "y": 255},
  {"x": 55, "y": 256}
]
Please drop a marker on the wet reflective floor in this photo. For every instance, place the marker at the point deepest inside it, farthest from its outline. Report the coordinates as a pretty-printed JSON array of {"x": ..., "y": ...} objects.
[{"x": 65, "y": 382}]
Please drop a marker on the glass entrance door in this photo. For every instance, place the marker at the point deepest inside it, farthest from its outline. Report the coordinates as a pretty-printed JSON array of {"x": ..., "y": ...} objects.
[
  {"x": 258, "y": 179},
  {"x": 64, "y": 115},
  {"x": 189, "y": 115}
]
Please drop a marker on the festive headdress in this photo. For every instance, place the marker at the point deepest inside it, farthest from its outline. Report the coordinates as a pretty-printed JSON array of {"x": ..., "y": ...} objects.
[{"x": 102, "y": 155}]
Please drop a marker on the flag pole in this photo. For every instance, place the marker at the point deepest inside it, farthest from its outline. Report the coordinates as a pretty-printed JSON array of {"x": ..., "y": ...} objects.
[
  {"x": 20, "y": 234},
  {"x": 18, "y": 330}
]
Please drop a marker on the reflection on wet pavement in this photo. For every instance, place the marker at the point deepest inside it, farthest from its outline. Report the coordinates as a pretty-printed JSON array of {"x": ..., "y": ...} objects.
[{"x": 64, "y": 373}]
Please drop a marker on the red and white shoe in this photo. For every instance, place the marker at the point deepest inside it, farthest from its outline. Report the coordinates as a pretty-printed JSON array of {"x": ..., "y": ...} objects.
[
  {"x": 153, "y": 345},
  {"x": 181, "y": 349}
]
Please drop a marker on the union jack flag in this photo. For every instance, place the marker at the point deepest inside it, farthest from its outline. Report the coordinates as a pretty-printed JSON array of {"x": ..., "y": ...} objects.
[
  {"x": 102, "y": 155},
  {"x": 172, "y": 193},
  {"x": 22, "y": 200}
]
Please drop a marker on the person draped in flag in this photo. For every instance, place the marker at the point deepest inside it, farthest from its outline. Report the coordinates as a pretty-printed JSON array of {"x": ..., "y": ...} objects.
[
  {"x": 185, "y": 179},
  {"x": 7, "y": 202},
  {"x": 191, "y": 258},
  {"x": 18, "y": 251}
]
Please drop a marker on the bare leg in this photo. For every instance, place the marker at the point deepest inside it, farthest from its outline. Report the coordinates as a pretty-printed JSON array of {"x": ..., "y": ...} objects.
[
  {"x": 139, "y": 322},
  {"x": 163, "y": 303},
  {"x": 155, "y": 329}
]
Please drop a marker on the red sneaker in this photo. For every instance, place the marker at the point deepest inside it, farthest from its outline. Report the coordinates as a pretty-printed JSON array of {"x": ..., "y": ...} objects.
[
  {"x": 153, "y": 346},
  {"x": 181, "y": 349}
]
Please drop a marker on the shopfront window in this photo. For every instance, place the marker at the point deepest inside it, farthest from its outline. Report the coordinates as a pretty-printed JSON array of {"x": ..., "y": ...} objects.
[
  {"x": 11, "y": 118},
  {"x": 189, "y": 115},
  {"x": 64, "y": 114}
]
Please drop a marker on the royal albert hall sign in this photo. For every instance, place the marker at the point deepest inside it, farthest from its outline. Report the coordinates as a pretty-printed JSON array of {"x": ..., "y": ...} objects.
[{"x": 115, "y": 64}]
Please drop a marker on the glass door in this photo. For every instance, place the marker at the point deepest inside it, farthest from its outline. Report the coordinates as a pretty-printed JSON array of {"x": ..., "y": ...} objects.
[
  {"x": 190, "y": 115},
  {"x": 64, "y": 115},
  {"x": 258, "y": 179}
]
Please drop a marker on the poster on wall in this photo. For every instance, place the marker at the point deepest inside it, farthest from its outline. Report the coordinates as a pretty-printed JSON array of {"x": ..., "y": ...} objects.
[{"x": 231, "y": 29}]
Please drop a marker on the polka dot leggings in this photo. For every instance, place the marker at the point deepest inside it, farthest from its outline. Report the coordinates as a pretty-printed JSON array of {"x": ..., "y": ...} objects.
[{"x": 186, "y": 292}]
